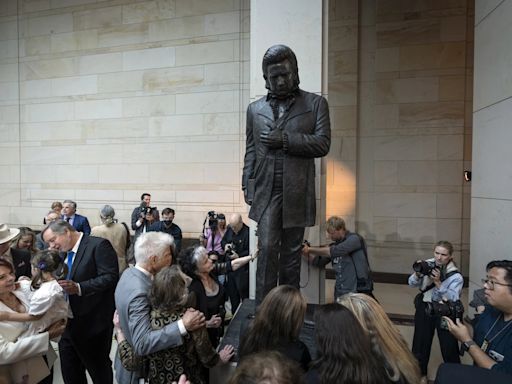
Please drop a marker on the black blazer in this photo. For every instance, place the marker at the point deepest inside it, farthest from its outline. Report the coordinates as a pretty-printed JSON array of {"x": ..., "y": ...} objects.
[{"x": 95, "y": 268}]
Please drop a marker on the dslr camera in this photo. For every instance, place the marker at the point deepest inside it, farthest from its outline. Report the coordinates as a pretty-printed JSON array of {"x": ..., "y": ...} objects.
[
  {"x": 424, "y": 267},
  {"x": 452, "y": 309},
  {"x": 229, "y": 250},
  {"x": 213, "y": 220},
  {"x": 145, "y": 210}
]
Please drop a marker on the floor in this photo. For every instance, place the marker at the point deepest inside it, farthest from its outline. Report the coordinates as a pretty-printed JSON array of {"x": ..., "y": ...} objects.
[{"x": 396, "y": 299}]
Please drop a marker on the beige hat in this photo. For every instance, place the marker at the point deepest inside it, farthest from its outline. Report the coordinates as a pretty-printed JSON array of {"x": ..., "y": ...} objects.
[{"x": 7, "y": 234}]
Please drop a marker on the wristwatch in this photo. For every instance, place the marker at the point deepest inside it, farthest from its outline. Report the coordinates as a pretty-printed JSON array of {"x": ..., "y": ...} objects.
[{"x": 464, "y": 347}]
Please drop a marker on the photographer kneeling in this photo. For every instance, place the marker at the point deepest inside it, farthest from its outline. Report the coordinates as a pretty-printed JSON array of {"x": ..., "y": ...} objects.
[{"x": 439, "y": 280}]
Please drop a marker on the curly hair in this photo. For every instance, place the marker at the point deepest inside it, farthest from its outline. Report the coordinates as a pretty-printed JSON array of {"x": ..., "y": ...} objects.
[
  {"x": 190, "y": 257},
  {"x": 169, "y": 289}
]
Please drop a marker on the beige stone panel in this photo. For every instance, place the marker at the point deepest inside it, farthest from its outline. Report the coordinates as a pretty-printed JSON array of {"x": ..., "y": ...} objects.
[
  {"x": 213, "y": 52},
  {"x": 386, "y": 115},
  {"x": 412, "y": 90},
  {"x": 98, "y": 109},
  {"x": 416, "y": 31},
  {"x": 9, "y": 172},
  {"x": 9, "y": 91},
  {"x": 112, "y": 196},
  {"x": 149, "y": 11},
  {"x": 173, "y": 78},
  {"x": 221, "y": 23},
  {"x": 70, "y": 3},
  {"x": 74, "y": 41},
  {"x": 450, "y": 173},
  {"x": 451, "y": 88},
  {"x": 75, "y": 85},
  {"x": 8, "y": 29},
  {"x": 33, "y": 46},
  {"x": 10, "y": 132},
  {"x": 367, "y": 68},
  {"x": 343, "y": 93},
  {"x": 417, "y": 173},
  {"x": 52, "y": 155},
  {"x": 343, "y": 118},
  {"x": 416, "y": 230},
  {"x": 47, "y": 112},
  {"x": 176, "y": 126},
  {"x": 140, "y": 153},
  {"x": 52, "y": 24},
  {"x": 101, "y": 63},
  {"x": 9, "y": 49},
  {"x": 115, "y": 128},
  {"x": 207, "y": 102},
  {"x": 35, "y": 5},
  {"x": 385, "y": 229},
  {"x": 178, "y": 28},
  {"x": 449, "y": 229},
  {"x": 222, "y": 123},
  {"x": 450, "y": 147},
  {"x": 343, "y": 148},
  {"x": 9, "y": 114},
  {"x": 449, "y": 205},
  {"x": 200, "y": 7},
  {"x": 43, "y": 69},
  {"x": 343, "y": 65},
  {"x": 51, "y": 131},
  {"x": 222, "y": 73},
  {"x": 97, "y": 18},
  {"x": 67, "y": 174},
  {"x": 225, "y": 177},
  {"x": 8, "y": 71},
  {"x": 181, "y": 174},
  {"x": 205, "y": 197},
  {"x": 120, "y": 82},
  {"x": 387, "y": 59},
  {"x": 340, "y": 203},
  {"x": 36, "y": 89},
  {"x": 385, "y": 172},
  {"x": 124, "y": 174},
  {"x": 149, "y": 58},
  {"x": 429, "y": 56},
  {"x": 343, "y": 10},
  {"x": 405, "y": 204},
  {"x": 493, "y": 55},
  {"x": 432, "y": 114},
  {"x": 405, "y": 148},
  {"x": 96, "y": 154},
  {"x": 453, "y": 28},
  {"x": 10, "y": 154},
  {"x": 149, "y": 105},
  {"x": 199, "y": 152},
  {"x": 343, "y": 38},
  {"x": 126, "y": 34}
]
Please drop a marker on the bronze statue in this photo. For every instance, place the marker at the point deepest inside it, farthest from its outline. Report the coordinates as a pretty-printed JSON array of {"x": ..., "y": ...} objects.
[{"x": 286, "y": 131}]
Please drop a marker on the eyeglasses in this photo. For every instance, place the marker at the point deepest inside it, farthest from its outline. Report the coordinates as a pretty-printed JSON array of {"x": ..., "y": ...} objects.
[{"x": 491, "y": 283}]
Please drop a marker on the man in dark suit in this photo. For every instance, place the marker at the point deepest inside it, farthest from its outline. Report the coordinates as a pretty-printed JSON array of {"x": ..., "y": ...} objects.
[
  {"x": 79, "y": 222},
  {"x": 286, "y": 131},
  {"x": 90, "y": 284}
]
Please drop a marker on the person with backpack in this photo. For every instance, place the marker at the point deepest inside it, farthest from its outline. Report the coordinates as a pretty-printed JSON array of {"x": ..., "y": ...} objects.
[
  {"x": 349, "y": 258},
  {"x": 439, "y": 280}
]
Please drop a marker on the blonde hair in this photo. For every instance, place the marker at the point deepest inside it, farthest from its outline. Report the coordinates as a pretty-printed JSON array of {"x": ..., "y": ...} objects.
[{"x": 394, "y": 349}]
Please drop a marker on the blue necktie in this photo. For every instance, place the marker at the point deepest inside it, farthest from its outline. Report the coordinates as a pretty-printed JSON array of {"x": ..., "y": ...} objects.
[{"x": 70, "y": 263}]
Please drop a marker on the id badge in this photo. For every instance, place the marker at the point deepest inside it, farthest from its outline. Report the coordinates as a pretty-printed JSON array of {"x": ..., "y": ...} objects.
[{"x": 485, "y": 345}]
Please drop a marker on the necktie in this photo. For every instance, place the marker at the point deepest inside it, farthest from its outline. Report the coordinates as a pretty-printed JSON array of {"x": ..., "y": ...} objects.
[
  {"x": 70, "y": 263},
  {"x": 68, "y": 218}
]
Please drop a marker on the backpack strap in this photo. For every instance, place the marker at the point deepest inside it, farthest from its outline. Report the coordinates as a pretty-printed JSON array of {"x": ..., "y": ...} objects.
[{"x": 128, "y": 237}]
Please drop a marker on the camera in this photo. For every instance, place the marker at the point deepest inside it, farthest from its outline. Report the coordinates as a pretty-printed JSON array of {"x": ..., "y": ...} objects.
[
  {"x": 213, "y": 220},
  {"x": 452, "y": 309},
  {"x": 229, "y": 250},
  {"x": 424, "y": 267}
]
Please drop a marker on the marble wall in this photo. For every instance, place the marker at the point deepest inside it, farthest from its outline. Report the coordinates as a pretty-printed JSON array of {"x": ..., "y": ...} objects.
[
  {"x": 121, "y": 97},
  {"x": 491, "y": 200},
  {"x": 400, "y": 91}
]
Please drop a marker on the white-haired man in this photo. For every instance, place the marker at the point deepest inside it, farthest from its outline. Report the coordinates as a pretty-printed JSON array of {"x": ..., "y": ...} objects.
[{"x": 153, "y": 251}]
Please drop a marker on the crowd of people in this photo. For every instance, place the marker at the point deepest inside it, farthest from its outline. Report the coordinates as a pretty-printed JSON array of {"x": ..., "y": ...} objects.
[{"x": 166, "y": 307}]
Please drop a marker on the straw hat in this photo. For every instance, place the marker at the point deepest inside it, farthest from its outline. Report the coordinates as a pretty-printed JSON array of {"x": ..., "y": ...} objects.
[{"x": 7, "y": 234}]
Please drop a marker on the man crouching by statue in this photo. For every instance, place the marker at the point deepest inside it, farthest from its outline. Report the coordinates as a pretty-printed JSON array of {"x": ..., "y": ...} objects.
[{"x": 286, "y": 131}]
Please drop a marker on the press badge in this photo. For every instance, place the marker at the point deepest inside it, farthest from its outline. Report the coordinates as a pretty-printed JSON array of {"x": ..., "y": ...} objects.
[{"x": 498, "y": 357}]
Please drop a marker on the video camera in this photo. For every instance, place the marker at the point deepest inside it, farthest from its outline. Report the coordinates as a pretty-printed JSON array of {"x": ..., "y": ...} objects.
[
  {"x": 424, "y": 267},
  {"x": 213, "y": 220}
]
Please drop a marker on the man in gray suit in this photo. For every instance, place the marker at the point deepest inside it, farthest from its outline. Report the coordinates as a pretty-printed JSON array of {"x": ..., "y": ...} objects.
[
  {"x": 153, "y": 251},
  {"x": 286, "y": 131}
]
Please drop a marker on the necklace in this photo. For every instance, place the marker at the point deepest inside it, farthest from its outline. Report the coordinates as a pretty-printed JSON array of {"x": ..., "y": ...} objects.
[{"x": 486, "y": 342}]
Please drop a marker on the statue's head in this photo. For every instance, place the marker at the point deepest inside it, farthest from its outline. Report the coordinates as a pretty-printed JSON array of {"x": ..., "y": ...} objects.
[{"x": 280, "y": 70}]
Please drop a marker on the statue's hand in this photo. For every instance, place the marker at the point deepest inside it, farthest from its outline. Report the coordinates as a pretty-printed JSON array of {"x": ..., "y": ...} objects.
[
  {"x": 246, "y": 198},
  {"x": 272, "y": 139}
]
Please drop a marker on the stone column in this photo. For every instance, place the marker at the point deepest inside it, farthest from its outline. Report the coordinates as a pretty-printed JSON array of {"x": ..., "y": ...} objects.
[{"x": 299, "y": 25}]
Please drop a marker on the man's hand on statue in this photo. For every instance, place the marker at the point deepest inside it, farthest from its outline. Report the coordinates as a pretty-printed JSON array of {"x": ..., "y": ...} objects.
[
  {"x": 272, "y": 139},
  {"x": 246, "y": 197}
]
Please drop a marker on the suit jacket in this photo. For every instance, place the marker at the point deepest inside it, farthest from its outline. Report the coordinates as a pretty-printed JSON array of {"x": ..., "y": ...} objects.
[
  {"x": 132, "y": 303},
  {"x": 81, "y": 224},
  {"x": 95, "y": 269},
  {"x": 307, "y": 132}
]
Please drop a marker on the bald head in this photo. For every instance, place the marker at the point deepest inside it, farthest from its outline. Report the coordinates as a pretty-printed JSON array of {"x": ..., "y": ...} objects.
[{"x": 235, "y": 222}]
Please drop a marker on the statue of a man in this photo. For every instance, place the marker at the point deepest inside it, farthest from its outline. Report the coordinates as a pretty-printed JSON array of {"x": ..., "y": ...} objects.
[{"x": 286, "y": 131}]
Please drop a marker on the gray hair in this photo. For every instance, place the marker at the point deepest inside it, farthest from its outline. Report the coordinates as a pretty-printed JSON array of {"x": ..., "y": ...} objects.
[
  {"x": 58, "y": 227},
  {"x": 107, "y": 214},
  {"x": 70, "y": 202},
  {"x": 152, "y": 243}
]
